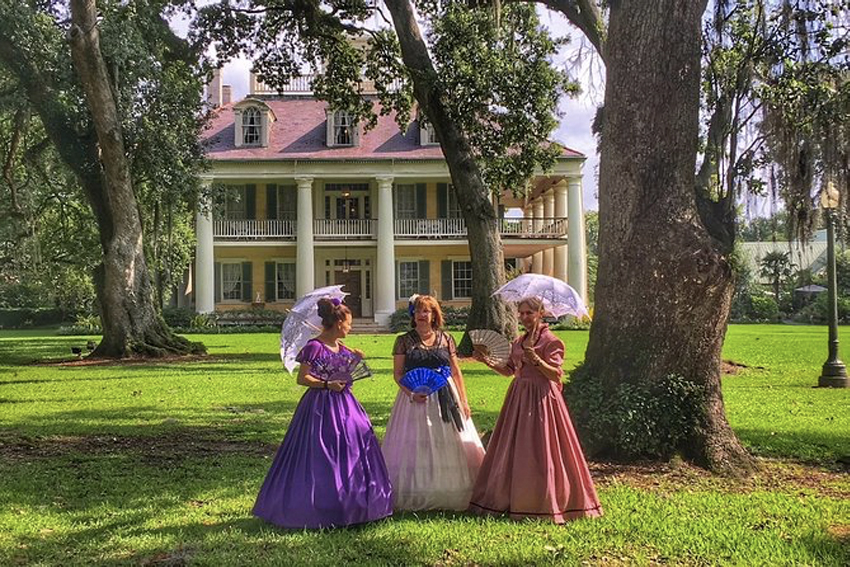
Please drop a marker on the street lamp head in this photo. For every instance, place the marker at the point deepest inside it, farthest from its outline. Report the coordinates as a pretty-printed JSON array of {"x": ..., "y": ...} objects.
[{"x": 830, "y": 198}]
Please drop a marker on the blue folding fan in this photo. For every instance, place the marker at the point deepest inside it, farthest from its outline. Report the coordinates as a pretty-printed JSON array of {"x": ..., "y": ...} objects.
[{"x": 424, "y": 380}]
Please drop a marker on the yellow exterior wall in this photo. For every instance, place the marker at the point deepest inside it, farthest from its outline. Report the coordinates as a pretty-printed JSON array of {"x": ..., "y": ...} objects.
[
  {"x": 258, "y": 256},
  {"x": 435, "y": 254}
]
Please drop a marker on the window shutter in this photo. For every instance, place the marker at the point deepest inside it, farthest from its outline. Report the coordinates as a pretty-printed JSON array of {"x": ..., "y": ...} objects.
[
  {"x": 271, "y": 201},
  {"x": 329, "y": 128},
  {"x": 271, "y": 282},
  {"x": 217, "y": 282},
  {"x": 442, "y": 200},
  {"x": 247, "y": 287},
  {"x": 446, "y": 273},
  {"x": 424, "y": 277},
  {"x": 421, "y": 204},
  {"x": 397, "y": 282},
  {"x": 251, "y": 201}
]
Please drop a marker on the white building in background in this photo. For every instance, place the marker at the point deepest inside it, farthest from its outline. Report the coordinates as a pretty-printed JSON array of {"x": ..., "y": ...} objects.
[{"x": 311, "y": 199}]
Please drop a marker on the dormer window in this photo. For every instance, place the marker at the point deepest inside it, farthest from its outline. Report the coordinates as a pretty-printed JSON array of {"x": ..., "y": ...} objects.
[
  {"x": 427, "y": 134},
  {"x": 342, "y": 129},
  {"x": 252, "y": 121},
  {"x": 252, "y": 127}
]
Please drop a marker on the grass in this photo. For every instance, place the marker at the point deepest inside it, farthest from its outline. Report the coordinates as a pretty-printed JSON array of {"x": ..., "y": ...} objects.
[{"x": 159, "y": 464}]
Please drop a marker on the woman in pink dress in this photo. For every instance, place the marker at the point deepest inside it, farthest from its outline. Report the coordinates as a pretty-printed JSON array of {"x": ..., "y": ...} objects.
[{"x": 534, "y": 466}]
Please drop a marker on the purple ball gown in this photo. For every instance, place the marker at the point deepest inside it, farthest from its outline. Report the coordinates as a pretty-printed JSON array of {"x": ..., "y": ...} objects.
[{"x": 329, "y": 470}]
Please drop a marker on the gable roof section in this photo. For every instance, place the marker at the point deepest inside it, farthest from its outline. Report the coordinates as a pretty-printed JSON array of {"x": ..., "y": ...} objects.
[{"x": 299, "y": 133}]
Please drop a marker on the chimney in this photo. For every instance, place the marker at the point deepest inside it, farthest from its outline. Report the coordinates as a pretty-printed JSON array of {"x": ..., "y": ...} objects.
[
  {"x": 214, "y": 89},
  {"x": 226, "y": 94}
]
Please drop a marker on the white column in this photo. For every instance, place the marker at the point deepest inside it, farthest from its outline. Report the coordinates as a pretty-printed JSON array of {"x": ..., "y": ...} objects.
[
  {"x": 385, "y": 266},
  {"x": 577, "y": 250},
  {"x": 305, "y": 265},
  {"x": 204, "y": 257},
  {"x": 537, "y": 224},
  {"x": 560, "y": 266},
  {"x": 527, "y": 227},
  {"x": 548, "y": 212}
]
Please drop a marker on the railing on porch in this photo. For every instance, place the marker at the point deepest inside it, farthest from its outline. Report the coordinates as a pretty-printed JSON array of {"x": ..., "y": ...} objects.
[
  {"x": 456, "y": 228},
  {"x": 429, "y": 228},
  {"x": 366, "y": 229},
  {"x": 303, "y": 84},
  {"x": 254, "y": 229},
  {"x": 534, "y": 228},
  {"x": 344, "y": 229}
]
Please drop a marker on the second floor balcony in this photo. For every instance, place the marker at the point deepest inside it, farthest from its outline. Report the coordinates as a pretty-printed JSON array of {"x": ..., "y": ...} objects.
[{"x": 367, "y": 229}]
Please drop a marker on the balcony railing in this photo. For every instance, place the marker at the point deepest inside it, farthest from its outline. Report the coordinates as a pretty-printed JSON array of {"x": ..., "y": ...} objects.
[
  {"x": 430, "y": 228},
  {"x": 254, "y": 229},
  {"x": 367, "y": 229},
  {"x": 303, "y": 84},
  {"x": 344, "y": 229}
]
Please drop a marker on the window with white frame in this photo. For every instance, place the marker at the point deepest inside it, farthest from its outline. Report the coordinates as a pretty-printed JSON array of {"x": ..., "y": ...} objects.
[
  {"x": 234, "y": 203},
  {"x": 252, "y": 124},
  {"x": 405, "y": 201},
  {"x": 231, "y": 281},
  {"x": 408, "y": 279},
  {"x": 285, "y": 280},
  {"x": 461, "y": 279},
  {"x": 343, "y": 130},
  {"x": 452, "y": 206},
  {"x": 427, "y": 134}
]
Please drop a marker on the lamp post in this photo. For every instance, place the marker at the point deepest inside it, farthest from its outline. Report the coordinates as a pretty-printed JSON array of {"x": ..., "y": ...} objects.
[{"x": 834, "y": 374}]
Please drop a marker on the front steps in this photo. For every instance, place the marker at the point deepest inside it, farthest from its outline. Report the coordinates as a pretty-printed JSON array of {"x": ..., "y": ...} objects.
[{"x": 367, "y": 327}]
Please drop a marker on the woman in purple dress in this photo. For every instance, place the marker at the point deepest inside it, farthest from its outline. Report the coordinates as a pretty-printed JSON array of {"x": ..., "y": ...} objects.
[{"x": 329, "y": 471}]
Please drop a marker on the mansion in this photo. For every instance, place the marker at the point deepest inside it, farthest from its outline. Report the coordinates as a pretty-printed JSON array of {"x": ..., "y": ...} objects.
[{"x": 306, "y": 198}]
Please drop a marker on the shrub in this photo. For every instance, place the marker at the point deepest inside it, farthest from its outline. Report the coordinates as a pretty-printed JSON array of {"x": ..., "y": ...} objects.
[
  {"x": 201, "y": 321},
  {"x": 763, "y": 308},
  {"x": 30, "y": 317},
  {"x": 817, "y": 312},
  {"x": 400, "y": 321},
  {"x": 649, "y": 419},
  {"x": 84, "y": 325},
  {"x": 262, "y": 317},
  {"x": 178, "y": 316}
]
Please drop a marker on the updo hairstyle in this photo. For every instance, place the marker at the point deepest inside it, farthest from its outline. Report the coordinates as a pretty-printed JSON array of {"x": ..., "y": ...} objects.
[{"x": 332, "y": 311}]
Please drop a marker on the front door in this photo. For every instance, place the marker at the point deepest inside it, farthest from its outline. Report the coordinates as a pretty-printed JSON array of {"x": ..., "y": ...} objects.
[
  {"x": 348, "y": 208},
  {"x": 351, "y": 281}
]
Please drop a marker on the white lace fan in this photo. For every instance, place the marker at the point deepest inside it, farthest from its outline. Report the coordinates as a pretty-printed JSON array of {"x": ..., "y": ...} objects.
[{"x": 497, "y": 349}]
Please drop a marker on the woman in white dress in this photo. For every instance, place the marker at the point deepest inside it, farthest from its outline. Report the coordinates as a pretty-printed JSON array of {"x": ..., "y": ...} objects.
[{"x": 431, "y": 447}]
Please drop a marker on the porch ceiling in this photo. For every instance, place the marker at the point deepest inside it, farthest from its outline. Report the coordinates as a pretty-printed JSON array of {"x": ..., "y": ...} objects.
[{"x": 516, "y": 248}]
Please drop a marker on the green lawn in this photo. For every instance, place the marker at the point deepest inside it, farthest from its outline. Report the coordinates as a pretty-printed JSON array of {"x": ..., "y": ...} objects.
[{"x": 158, "y": 464}]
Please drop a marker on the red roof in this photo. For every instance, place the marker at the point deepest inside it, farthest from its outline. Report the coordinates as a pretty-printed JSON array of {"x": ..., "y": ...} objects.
[{"x": 299, "y": 133}]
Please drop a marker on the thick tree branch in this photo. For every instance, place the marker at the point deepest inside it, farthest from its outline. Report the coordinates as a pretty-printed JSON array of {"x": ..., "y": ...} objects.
[{"x": 586, "y": 16}]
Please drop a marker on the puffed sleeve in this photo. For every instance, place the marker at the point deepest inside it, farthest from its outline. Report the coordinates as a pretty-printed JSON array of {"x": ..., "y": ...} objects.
[
  {"x": 553, "y": 353},
  {"x": 310, "y": 352},
  {"x": 400, "y": 346},
  {"x": 451, "y": 345}
]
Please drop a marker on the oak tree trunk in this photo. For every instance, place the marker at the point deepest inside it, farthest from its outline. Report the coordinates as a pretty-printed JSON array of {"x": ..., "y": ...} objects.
[
  {"x": 479, "y": 214},
  {"x": 131, "y": 324},
  {"x": 664, "y": 284}
]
